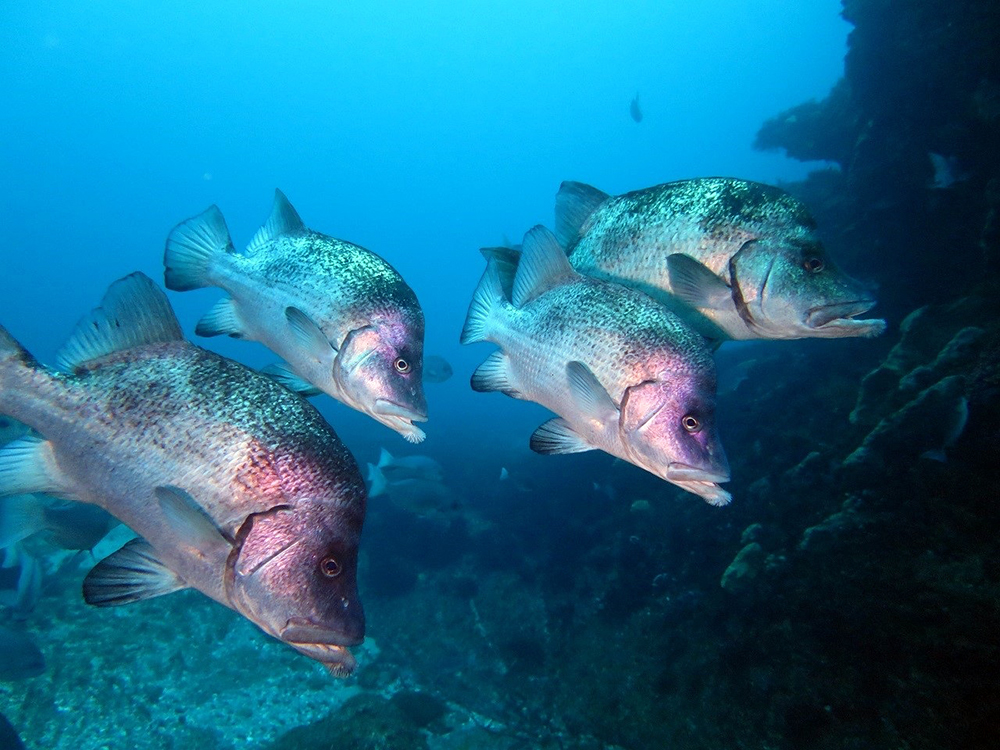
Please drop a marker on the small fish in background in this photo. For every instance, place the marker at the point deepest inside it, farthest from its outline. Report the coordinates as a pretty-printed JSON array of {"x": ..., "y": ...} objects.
[
  {"x": 422, "y": 497},
  {"x": 954, "y": 418},
  {"x": 408, "y": 467},
  {"x": 504, "y": 474},
  {"x": 236, "y": 486},
  {"x": 20, "y": 581},
  {"x": 340, "y": 316},
  {"x": 437, "y": 369},
  {"x": 606, "y": 490},
  {"x": 20, "y": 658},
  {"x": 947, "y": 171},
  {"x": 735, "y": 259},
  {"x": 624, "y": 374},
  {"x": 634, "y": 109},
  {"x": 9, "y": 738},
  {"x": 70, "y": 526}
]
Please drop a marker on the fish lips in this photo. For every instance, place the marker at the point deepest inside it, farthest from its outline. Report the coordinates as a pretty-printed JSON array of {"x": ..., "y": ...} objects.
[
  {"x": 400, "y": 418},
  {"x": 841, "y": 316},
  {"x": 329, "y": 647},
  {"x": 700, "y": 482}
]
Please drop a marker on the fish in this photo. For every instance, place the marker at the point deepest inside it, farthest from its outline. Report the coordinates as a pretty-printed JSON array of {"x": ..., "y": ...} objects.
[
  {"x": 735, "y": 259},
  {"x": 623, "y": 373},
  {"x": 409, "y": 467},
  {"x": 70, "y": 526},
  {"x": 10, "y": 429},
  {"x": 947, "y": 171},
  {"x": 20, "y": 658},
  {"x": 236, "y": 486},
  {"x": 437, "y": 369},
  {"x": 9, "y": 738},
  {"x": 344, "y": 321},
  {"x": 418, "y": 495},
  {"x": 20, "y": 580},
  {"x": 634, "y": 109}
]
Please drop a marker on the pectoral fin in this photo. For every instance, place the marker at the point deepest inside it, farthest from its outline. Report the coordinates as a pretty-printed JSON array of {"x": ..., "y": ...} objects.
[
  {"x": 590, "y": 396},
  {"x": 556, "y": 436},
  {"x": 309, "y": 335},
  {"x": 131, "y": 574},
  {"x": 696, "y": 284},
  {"x": 191, "y": 524}
]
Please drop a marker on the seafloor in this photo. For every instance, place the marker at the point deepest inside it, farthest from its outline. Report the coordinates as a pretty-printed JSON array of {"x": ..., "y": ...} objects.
[{"x": 849, "y": 597}]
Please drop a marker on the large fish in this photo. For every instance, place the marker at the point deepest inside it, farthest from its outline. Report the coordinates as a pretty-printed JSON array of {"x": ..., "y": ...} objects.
[
  {"x": 736, "y": 259},
  {"x": 342, "y": 318},
  {"x": 623, "y": 373},
  {"x": 236, "y": 486}
]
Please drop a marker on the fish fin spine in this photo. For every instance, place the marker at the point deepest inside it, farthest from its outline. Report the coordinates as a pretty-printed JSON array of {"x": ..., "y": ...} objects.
[
  {"x": 488, "y": 297},
  {"x": 556, "y": 436},
  {"x": 221, "y": 320},
  {"x": 134, "y": 312},
  {"x": 543, "y": 265},
  {"x": 576, "y": 202},
  {"x": 192, "y": 247},
  {"x": 131, "y": 574},
  {"x": 494, "y": 375},
  {"x": 284, "y": 220}
]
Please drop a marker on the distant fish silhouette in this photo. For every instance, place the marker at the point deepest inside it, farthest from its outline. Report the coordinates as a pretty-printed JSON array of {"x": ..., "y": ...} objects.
[
  {"x": 947, "y": 171},
  {"x": 634, "y": 109},
  {"x": 436, "y": 369}
]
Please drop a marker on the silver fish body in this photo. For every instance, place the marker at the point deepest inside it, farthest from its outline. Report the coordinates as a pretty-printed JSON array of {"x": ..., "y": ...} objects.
[
  {"x": 341, "y": 317},
  {"x": 624, "y": 374},
  {"x": 237, "y": 487},
  {"x": 736, "y": 259}
]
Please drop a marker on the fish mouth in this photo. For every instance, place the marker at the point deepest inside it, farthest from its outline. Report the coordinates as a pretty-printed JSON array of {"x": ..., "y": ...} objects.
[
  {"x": 329, "y": 647},
  {"x": 400, "y": 418},
  {"x": 837, "y": 320},
  {"x": 700, "y": 482}
]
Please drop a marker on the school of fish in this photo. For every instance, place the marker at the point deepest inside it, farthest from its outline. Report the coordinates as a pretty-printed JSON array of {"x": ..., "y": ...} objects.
[{"x": 238, "y": 488}]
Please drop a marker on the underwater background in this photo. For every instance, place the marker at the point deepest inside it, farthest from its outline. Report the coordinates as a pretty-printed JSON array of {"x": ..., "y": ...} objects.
[{"x": 849, "y": 597}]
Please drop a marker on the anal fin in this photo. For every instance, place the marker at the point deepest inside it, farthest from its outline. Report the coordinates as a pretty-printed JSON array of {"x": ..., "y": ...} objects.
[
  {"x": 556, "y": 436},
  {"x": 131, "y": 574}
]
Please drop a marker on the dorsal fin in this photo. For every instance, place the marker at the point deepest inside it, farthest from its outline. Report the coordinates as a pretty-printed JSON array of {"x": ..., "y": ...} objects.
[
  {"x": 134, "y": 312},
  {"x": 284, "y": 219},
  {"x": 543, "y": 265},
  {"x": 575, "y": 202}
]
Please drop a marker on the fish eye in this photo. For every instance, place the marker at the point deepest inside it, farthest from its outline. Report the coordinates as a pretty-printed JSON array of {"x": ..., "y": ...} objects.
[
  {"x": 401, "y": 365},
  {"x": 330, "y": 567},
  {"x": 690, "y": 423},
  {"x": 813, "y": 265}
]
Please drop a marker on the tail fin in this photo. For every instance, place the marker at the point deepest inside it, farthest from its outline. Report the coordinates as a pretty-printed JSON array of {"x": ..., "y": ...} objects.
[
  {"x": 21, "y": 516},
  {"x": 192, "y": 246},
  {"x": 489, "y": 295},
  {"x": 384, "y": 458},
  {"x": 377, "y": 480}
]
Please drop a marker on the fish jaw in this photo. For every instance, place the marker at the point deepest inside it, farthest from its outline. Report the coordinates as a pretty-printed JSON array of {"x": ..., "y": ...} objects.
[
  {"x": 399, "y": 418},
  {"x": 703, "y": 483},
  {"x": 338, "y": 660},
  {"x": 837, "y": 320}
]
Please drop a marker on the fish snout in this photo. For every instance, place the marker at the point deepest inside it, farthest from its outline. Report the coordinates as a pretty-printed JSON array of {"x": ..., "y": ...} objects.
[
  {"x": 400, "y": 418},
  {"x": 717, "y": 472}
]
